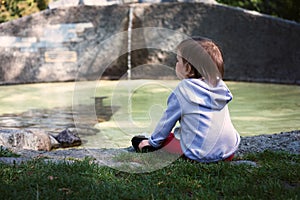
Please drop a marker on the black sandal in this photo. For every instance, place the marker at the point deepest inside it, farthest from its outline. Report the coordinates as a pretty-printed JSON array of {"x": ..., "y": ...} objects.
[
  {"x": 148, "y": 148},
  {"x": 136, "y": 140}
]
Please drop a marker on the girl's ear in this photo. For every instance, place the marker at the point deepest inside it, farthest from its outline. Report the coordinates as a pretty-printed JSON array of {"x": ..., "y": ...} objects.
[{"x": 189, "y": 70}]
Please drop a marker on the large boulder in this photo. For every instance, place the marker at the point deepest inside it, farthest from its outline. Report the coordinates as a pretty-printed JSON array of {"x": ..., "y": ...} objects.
[
  {"x": 37, "y": 139},
  {"x": 25, "y": 139}
]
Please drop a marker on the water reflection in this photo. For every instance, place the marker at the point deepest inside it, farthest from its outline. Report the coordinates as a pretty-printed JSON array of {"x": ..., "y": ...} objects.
[{"x": 255, "y": 109}]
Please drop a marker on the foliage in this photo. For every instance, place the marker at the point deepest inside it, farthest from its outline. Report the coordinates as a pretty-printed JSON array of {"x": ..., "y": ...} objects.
[
  {"x": 287, "y": 9},
  {"x": 276, "y": 177},
  {"x": 13, "y": 9}
]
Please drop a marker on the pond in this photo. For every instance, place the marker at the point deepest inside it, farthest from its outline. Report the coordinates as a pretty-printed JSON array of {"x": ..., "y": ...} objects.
[{"x": 257, "y": 108}]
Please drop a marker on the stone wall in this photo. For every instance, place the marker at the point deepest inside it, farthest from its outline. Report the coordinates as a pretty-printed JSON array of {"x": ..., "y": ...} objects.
[
  {"x": 89, "y": 42},
  {"x": 256, "y": 47},
  {"x": 50, "y": 46}
]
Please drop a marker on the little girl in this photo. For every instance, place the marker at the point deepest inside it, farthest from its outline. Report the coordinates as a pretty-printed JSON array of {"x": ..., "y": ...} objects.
[{"x": 199, "y": 103}]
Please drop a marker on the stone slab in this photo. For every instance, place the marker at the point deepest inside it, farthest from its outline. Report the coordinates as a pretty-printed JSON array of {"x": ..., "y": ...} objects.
[{"x": 60, "y": 56}]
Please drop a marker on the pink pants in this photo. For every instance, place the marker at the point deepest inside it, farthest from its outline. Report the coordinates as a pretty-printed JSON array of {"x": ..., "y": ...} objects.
[{"x": 172, "y": 145}]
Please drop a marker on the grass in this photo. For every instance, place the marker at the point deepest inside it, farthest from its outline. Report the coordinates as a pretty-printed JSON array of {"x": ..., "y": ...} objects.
[
  {"x": 7, "y": 153},
  {"x": 277, "y": 177}
]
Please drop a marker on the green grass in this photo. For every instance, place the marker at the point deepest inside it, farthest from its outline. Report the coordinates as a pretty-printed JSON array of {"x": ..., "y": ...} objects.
[
  {"x": 7, "y": 153},
  {"x": 277, "y": 177}
]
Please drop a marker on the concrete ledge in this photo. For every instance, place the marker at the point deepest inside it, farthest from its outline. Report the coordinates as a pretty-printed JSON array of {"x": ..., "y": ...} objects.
[{"x": 256, "y": 47}]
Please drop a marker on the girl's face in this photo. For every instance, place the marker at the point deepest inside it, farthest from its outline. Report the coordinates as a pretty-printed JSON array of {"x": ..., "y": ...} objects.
[{"x": 181, "y": 70}]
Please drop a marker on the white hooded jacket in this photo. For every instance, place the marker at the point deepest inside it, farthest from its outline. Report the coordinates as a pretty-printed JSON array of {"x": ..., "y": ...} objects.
[{"x": 206, "y": 132}]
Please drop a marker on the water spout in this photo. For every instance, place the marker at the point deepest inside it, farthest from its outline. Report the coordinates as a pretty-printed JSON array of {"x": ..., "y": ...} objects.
[
  {"x": 129, "y": 33},
  {"x": 129, "y": 43}
]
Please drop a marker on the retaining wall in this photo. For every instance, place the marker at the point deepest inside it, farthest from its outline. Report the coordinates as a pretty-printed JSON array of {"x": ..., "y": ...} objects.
[{"x": 89, "y": 42}]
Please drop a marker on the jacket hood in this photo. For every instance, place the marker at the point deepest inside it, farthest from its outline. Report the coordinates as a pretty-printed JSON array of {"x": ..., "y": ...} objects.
[{"x": 199, "y": 92}]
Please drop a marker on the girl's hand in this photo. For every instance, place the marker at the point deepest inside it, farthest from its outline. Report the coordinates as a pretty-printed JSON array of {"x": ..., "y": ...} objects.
[{"x": 143, "y": 143}]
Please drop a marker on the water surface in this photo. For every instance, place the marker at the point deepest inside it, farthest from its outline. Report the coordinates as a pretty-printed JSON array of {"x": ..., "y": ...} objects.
[{"x": 256, "y": 108}]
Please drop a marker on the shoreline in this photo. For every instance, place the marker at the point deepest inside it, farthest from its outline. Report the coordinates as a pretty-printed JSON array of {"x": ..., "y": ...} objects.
[{"x": 284, "y": 141}]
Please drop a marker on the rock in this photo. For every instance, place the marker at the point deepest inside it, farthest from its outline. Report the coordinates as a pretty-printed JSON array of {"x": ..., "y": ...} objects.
[
  {"x": 54, "y": 143},
  {"x": 25, "y": 139},
  {"x": 244, "y": 162},
  {"x": 285, "y": 141},
  {"x": 68, "y": 138},
  {"x": 13, "y": 161},
  {"x": 84, "y": 130}
]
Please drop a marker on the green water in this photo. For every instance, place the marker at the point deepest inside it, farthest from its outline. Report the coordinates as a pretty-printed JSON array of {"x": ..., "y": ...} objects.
[
  {"x": 264, "y": 108},
  {"x": 21, "y": 98},
  {"x": 255, "y": 109}
]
